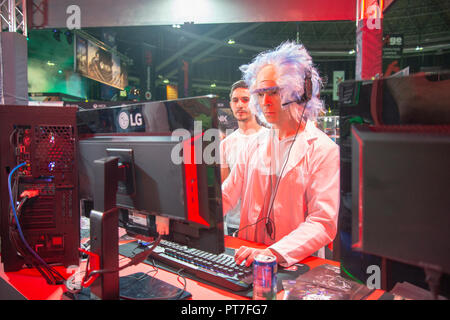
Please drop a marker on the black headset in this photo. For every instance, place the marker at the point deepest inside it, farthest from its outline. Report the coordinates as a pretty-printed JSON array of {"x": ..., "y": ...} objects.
[
  {"x": 307, "y": 91},
  {"x": 307, "y": 94}
]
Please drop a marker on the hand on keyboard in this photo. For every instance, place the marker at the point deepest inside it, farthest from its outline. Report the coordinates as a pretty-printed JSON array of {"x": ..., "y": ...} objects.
[
  {"x": 220, "y": 269},
  {"x": 249, "y": 254}
]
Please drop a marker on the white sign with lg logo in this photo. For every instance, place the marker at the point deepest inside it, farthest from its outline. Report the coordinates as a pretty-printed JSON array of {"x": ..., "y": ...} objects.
[{"x": 128, "y": 119}]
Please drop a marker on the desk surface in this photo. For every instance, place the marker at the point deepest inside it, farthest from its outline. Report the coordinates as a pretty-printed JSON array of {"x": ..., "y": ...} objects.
[{"x": 32, "y": 286}]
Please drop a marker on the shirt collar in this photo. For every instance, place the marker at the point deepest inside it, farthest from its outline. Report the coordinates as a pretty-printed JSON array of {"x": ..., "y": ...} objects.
[{"x": 310, "y": 131}]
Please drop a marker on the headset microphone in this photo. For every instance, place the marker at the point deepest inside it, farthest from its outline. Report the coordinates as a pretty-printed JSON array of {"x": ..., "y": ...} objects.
[{"x": 307, "y": 94}]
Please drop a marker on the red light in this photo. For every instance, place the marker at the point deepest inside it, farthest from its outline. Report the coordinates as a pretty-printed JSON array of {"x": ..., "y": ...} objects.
[
  {"x": 27, "y": 140},
  {"x": 30, "y": 193},
  {"x": 57, "y": 241},
  {"x": 190, "y": 171},
  {"x": 368, "y": 7},
  {"x": 360, "y": 191}
]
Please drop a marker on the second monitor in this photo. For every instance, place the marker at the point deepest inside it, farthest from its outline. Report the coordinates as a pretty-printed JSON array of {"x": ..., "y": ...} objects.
[{"x": 161, "y": 174}]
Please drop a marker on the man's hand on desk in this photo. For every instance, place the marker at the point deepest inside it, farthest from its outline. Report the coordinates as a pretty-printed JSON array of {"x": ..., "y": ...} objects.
[
  {"x": 249, "y": 254},
  {"x": 162, "y": 225}
]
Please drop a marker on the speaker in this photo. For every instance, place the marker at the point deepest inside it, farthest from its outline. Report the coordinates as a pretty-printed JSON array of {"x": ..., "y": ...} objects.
[{"x": 13, "y": 69}]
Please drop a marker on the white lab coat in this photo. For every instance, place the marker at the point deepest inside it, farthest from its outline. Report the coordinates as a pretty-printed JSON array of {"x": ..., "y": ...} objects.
[{"x": 306, "y": 205}]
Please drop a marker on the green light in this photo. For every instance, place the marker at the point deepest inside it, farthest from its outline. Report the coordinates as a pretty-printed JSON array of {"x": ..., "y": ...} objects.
[
  {"x": 166, "y": 81},
  {"x": 351, "y": 276},
  {"x": 231, "y": 41},
  {"x": 60, "y": 71},
  {"x": 213, "y": 85}
]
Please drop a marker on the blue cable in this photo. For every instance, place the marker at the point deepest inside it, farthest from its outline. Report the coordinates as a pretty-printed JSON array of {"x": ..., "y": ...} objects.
[{"x": 17, "y": 220}]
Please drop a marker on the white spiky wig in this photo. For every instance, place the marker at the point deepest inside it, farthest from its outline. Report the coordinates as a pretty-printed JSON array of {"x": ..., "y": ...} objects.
[{"x": 292, "y": 63}]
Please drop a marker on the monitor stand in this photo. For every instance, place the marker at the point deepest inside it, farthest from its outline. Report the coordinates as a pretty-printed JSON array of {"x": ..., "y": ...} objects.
[
  {"x": 104, "y": 221},
  {"x": 104, "y": 225}
]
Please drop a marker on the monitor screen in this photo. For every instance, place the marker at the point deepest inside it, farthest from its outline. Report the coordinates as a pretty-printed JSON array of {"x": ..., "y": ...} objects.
[
  {"x": 158, "y": 117},
  {"x": 172, "y": 167},
  {"x": 399, "y": 187},
  {"x": 159, "y": 185}
]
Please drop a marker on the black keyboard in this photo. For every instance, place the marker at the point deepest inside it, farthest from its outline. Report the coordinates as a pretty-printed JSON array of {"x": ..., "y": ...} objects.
[{"x": 219, "y": 269}]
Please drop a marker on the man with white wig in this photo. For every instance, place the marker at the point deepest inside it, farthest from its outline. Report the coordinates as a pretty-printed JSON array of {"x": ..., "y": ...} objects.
[{"x": 287, "y": 180}]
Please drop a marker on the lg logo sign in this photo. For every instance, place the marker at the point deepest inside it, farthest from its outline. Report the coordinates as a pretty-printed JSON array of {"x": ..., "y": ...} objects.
[{"x": 126, "y": 120}]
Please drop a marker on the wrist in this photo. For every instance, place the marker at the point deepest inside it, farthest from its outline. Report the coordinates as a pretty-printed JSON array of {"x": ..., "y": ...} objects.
[{"x": 278, "y": 256}]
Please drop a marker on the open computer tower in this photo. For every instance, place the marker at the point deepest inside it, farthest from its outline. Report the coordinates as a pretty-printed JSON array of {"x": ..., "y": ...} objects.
[{"x": 44, "y": 139}]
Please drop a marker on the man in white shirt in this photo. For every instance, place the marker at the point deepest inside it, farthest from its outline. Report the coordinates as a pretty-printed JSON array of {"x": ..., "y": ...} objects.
[
  {"x": 236, "y": 142},
  {"x": 288, "y": 180}
]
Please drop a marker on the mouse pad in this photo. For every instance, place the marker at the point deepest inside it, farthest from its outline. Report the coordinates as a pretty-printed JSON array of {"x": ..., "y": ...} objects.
[
  {"x": 141, "y": 286},
  {"x": 138, "y": 286},
  {"x": 132, "y": 248}
]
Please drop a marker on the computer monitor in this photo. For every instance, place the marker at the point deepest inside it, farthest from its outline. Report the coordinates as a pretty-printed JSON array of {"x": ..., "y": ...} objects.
[
  {"x": 171, "y": 165},
  {"x": 399, "y": 193}
]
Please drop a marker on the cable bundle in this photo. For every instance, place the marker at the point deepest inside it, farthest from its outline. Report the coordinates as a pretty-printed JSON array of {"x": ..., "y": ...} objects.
[{"x": 52, "y": 276}]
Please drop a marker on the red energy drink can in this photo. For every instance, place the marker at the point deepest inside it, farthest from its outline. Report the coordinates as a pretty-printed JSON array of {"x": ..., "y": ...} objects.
[{"x": 265, "y": 278}]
